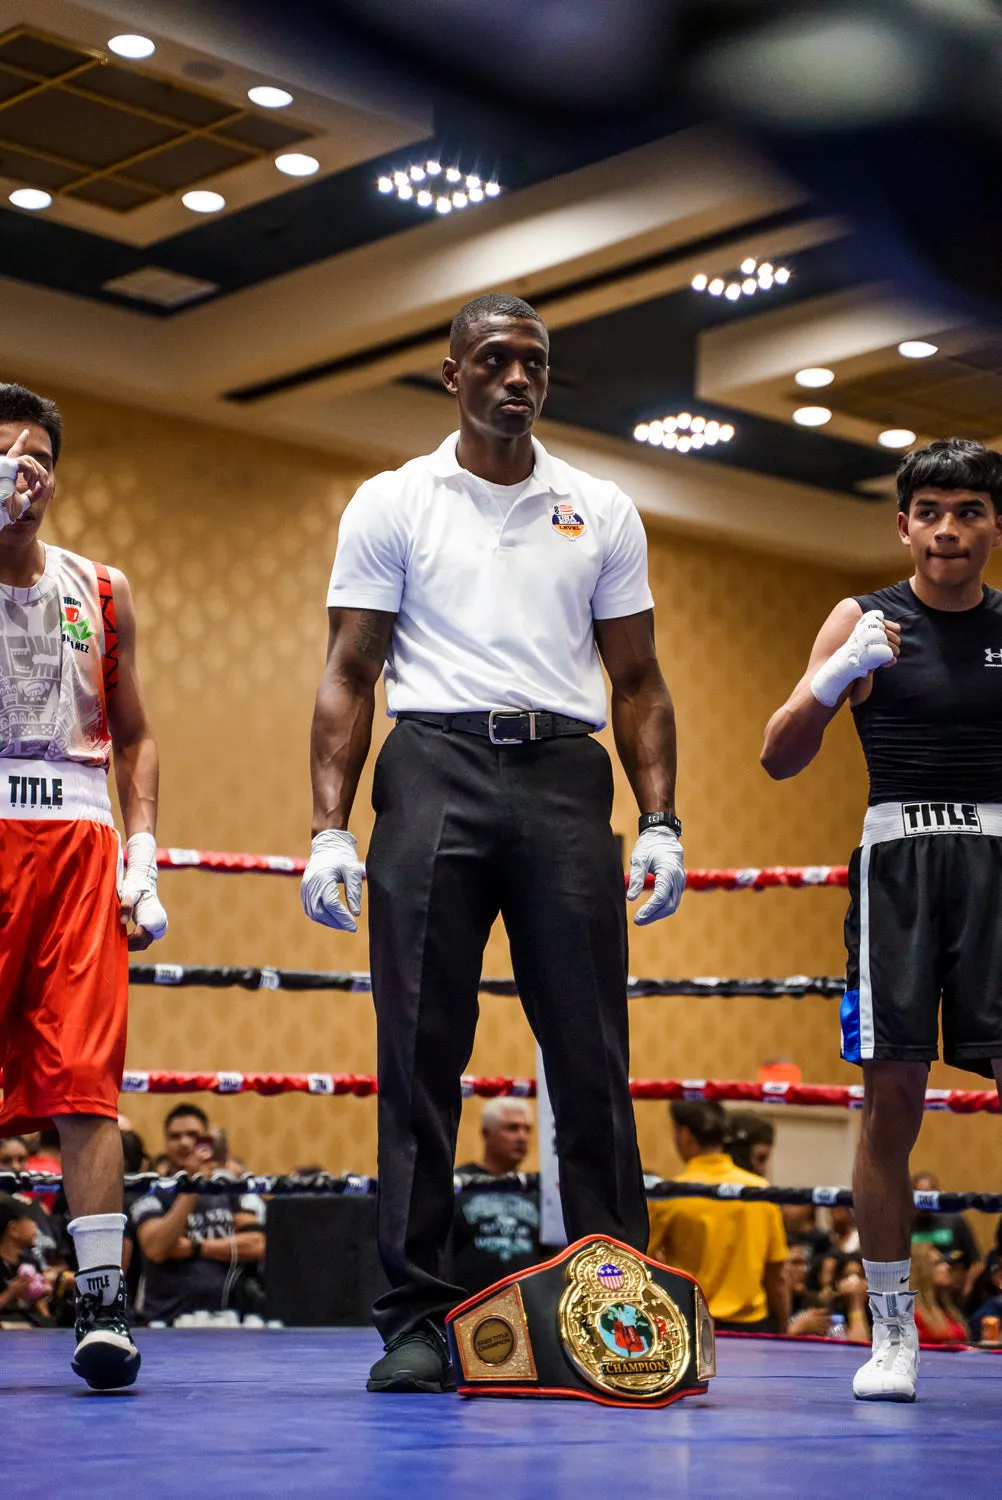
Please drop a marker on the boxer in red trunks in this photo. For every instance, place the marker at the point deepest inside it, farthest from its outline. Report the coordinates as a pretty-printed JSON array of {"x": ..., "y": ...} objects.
[{"x": 70, "y": 702}]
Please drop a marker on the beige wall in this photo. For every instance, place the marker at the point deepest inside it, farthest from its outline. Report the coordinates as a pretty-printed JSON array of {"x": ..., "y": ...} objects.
[{"x": 227, "y": 543}]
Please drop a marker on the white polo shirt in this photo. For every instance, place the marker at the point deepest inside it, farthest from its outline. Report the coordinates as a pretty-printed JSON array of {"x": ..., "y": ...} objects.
[{"x": 492, "y": 611}]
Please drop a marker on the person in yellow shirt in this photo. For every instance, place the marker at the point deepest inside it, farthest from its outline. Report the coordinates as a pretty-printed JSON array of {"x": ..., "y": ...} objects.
[{"x": 736, "y": 1251}]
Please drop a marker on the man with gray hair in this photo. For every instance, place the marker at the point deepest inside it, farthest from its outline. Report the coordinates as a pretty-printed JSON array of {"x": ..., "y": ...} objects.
[{"x": 496, "y": 1233}]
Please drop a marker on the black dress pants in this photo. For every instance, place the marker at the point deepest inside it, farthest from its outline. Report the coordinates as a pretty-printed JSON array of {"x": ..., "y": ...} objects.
[{"x": 464, "y": 830}]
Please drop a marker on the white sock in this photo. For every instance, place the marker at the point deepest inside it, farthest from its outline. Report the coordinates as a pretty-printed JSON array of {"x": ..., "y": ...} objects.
[
  {"x": 97, "y": 1239},
  {"x": 885, "y": 1277}
]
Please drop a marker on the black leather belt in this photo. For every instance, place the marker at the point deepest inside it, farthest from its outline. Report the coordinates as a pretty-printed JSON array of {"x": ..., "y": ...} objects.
[{"x": 505, "y": 726}]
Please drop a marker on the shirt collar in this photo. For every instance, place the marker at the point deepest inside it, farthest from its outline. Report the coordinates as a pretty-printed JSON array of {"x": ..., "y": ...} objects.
[{"x": 445, "y": 465}]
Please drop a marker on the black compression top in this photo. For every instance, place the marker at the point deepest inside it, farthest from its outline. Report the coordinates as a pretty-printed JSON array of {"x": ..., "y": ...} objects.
[{"x": 932, "y": 725}]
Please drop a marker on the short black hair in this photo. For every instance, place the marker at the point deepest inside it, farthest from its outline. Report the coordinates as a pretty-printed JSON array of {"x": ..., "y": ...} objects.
[
  {"x": 746, "y": 1129},
  {"x": 18, "y": 404},
  {"x": 492, "y": 305},
  {"x": 133, "y": 1151},
  {"x": 705, "y": 1118},
  {"x": 180, "y": 1110},
  {"x": 12, "y": 1209},
  {"x": 6, "y": 1139},
  {"x": 951, "y": 464}
]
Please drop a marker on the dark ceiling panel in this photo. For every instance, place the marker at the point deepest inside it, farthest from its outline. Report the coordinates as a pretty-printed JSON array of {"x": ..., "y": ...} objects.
[
  {"x": 156, "y": 95},
  {"x": 35, "y": 170},
  {"x": 84, "y": 130},
  {"x": 265, "y": 134},
  {"x": 37, "y": 54},
  {"x": 192, "y": 160},
  {"x": 109, "y": 192}
]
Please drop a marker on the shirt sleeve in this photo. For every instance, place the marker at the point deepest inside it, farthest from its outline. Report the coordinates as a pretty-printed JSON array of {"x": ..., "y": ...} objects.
[
  {"x": 622, "y": 587},
  {"x": 369, "y": 564},
  {"x": 149, "y": 1207}
]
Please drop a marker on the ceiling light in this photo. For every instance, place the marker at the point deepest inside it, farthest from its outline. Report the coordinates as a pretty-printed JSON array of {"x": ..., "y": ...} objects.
[
  {"x": 201, "y": 201},
  {"x": 699, "y": 283},
  {"x": 781, "y": 275},
  {"x": 749, "y": 285},
  {"x": 732, "y": 292},
  {"x": 715, "y": 287},
  {"x": 32, "y": 198},
  {"x": 814, "y": 377},
  {"x": 684, "y": 433},
  {"x": 765, "y": 282},
  {"x": 766, "y": 269},
  {"x": 750, "y": 278},
  {"x": 748, "y": 266},
  {"x": 812, "y": 416},
  {"x": 896, "y": 437},
  {"x": 296, "y": 164},
  {"x": 466, "y": 190},
  {"x": 268, "y": 97},
  {"x": 917, "y": 349},
  {"x": 130, "y": 45}
]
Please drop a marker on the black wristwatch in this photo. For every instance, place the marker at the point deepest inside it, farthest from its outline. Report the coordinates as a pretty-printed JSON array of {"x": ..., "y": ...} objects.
[
  {"x": 195, "y": 1241},
  {"x": 661, "y": 820}
]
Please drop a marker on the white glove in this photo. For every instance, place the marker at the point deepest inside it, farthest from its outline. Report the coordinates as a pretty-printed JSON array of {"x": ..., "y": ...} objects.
[
  {"x": 333, "y": 862},
  {"x": 865, "y": 649},
  {"x": 137, "y": 888},
  {"x": 9, "y": 470},
  {"x": 657, "y": 852}
]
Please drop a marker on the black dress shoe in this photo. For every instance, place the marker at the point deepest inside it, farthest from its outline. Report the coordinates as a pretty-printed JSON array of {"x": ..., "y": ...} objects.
[{"x": 417, "y": 1360}]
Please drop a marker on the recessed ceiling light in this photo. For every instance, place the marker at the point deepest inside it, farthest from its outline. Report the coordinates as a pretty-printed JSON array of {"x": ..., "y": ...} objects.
[
  {"x": 461, "y": 192},
  {"x": 453, "y": 174},
  {"x": 917, "y": 349},
  {"x": 268, "y": 97},
  {"x": 781, "y": 275},
  {"x": 748, "y": 266},
  {"x": 200, "y": 201},
  {"x": 492, "y": 189},
  {"x": 732, "y": 292},
  {"x": 812, "y": 416},
  {"x": 749, "y": 286},
  {"x": 750, "y": 279},
  {"x": 33, "y": 198},
  {"x": 295, "y": 164},
  {"x": 715, "y": 287},
  {"x": 385, "y": 184},
  {"x": 814, "y": 377},
  {"x": 460, "y": 200},
  {"x": 700, "y": 283},
  {"x": 131, "y": 45},
  {"x": 444, "y": 205},
  {"x": 896, "y": 437}
]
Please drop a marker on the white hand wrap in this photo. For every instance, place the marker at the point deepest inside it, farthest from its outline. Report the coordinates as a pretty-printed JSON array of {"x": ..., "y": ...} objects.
[
  {"x": 333, "y": 862},
  {"x": 865, "y": 649},
  {"x": 137, "y": 888},
  {"x": 8, "y": 483},
  {"x": 657, "y": 852}
]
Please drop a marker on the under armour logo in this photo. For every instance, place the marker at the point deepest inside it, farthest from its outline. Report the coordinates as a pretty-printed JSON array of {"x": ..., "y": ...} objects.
[{"x": 992, "y": 658}]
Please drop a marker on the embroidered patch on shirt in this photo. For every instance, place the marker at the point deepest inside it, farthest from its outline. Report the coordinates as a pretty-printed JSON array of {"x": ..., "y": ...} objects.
[{"x": 566, "y": 520}]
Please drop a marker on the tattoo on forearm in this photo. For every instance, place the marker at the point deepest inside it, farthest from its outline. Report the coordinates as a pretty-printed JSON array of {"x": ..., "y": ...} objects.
[{"x": 371, "y": 636}]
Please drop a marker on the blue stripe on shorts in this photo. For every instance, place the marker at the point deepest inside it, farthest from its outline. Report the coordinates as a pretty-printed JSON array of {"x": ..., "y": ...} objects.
[{"x": 849, "y": 1018}]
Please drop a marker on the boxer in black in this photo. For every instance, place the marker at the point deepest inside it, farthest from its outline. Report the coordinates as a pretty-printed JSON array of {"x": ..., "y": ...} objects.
[{"x": 921, "y": 665}]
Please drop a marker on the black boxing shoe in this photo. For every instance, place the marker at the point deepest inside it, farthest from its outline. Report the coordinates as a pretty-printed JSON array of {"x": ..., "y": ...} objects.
[
  {"x": 417, "y": 1360},
  {"x": 105, "y": 1355}
]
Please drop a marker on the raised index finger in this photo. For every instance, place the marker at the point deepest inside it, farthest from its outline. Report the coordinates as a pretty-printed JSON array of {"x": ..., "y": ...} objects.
[{"x": 17, "y": 448}]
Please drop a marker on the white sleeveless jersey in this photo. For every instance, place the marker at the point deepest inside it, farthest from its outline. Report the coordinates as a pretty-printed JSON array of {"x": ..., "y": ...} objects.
[{"x": 58, "y": 658}]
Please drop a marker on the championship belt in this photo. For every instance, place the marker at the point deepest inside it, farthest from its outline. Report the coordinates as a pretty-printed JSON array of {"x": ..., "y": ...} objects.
[{"x": 600, "y": 1321}]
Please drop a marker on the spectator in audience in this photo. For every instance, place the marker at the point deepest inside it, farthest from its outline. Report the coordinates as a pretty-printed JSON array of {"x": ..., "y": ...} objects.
[
  {"x": 937, "y": 1317},
  {"x": 843, "y": 1234},
  {"x": 736, "y": 1251},
  {"x": 808, "y": 1314},
  {"x": 749, "y": 1140},
  {"x": 506, "y": 1131},
  {"x": 851, "y": 1298},
  {"x": 801, "y": 1223},
  {"x": 496, "y": 1233},
  {"x": 47, "y": 1155},
  {"x": 14, "y": 1154},
  {"x": 990, "y": 1303},
  {"x": 198, "y": 1250},
  {"x": 951, "y": 1234},
  {"x": 30, "y": 1292}
]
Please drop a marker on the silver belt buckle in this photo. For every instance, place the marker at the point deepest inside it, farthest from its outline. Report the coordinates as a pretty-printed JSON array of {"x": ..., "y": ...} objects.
[{"x": 520, "y": 713}]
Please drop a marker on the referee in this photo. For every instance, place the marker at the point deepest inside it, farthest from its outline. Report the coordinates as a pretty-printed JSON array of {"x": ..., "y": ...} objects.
[{"x": 482, "y": 578}]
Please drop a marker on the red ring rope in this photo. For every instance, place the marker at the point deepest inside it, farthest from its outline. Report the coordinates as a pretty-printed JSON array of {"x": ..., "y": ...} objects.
[{"x": 362, "y": 1085}]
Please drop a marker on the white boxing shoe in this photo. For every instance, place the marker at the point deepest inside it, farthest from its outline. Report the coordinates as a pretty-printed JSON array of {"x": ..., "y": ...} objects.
[{"x": 892, "y": 1369}]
